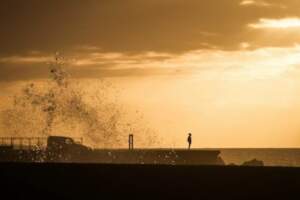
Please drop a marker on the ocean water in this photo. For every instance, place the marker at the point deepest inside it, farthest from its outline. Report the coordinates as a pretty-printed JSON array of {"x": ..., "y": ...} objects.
[{"x": 270, "y": 157}]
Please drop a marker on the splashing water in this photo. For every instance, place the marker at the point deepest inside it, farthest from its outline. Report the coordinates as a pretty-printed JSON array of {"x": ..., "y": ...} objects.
[{"x": 61, "y": 106}]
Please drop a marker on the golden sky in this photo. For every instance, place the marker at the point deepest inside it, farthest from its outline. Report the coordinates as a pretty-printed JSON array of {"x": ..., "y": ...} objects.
[{"x": 226, "y": 70}]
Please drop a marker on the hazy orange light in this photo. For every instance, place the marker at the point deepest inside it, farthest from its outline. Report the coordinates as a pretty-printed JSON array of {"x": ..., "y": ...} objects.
[{"x": 276, "y": 23}]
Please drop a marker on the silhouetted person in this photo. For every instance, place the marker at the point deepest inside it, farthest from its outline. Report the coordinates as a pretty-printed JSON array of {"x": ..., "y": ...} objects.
[{"x": 189, "y": 140}]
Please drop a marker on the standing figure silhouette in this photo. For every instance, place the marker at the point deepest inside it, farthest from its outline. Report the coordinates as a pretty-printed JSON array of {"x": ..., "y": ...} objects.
[{"x": 189, "y": 140}]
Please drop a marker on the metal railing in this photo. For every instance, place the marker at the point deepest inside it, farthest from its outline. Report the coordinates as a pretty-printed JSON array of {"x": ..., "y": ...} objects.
[
  {"x": 24, "y": 142},
  {"x": 29, "y": 142}
]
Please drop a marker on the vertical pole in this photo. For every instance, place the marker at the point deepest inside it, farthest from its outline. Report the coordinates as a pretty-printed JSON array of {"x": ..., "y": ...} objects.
[
  {"x": 21, "y": 143},
  {"x": 130, "y": 141},
  {"x": 38, "y": 142},
  {"x": 29, "y": 143}
]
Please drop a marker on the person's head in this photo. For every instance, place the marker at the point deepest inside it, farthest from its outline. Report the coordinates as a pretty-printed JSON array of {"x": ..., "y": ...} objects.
[{"x": 190, "y": 134}]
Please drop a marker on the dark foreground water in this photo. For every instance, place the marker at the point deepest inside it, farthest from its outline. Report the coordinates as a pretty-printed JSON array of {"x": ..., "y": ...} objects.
[{"x": 271, "y": 157}]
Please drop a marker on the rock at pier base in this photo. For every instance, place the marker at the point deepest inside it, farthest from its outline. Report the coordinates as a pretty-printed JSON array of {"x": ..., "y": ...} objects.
[{"x": 254, "y": 163}]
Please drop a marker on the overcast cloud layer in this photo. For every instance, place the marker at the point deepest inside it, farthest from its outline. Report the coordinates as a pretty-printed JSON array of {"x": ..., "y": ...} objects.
[{"x": 124, "y": 38}]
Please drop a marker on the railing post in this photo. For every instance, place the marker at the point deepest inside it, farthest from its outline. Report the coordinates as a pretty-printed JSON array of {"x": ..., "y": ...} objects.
[
  {"x": 38, "y": 142},
  {"x": 29, "y": 143},
  {"x": 21, "y": 143}
]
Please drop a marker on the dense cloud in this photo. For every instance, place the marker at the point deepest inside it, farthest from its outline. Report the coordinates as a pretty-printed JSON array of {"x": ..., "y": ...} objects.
[
  {"x": 133, "y": 25},
  {"x": 33, "y": 30}
]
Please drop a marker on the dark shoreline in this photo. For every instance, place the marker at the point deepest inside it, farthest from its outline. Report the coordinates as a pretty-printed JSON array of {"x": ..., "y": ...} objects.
[{"x": 89, "y": 181}]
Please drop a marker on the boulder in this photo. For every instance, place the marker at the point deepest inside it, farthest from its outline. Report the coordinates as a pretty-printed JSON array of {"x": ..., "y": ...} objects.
[{"x": 254, "y": 163}]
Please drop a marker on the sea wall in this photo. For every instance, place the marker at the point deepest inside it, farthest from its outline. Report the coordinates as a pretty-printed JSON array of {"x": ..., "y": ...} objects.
[{"x": 94, "y": 181}]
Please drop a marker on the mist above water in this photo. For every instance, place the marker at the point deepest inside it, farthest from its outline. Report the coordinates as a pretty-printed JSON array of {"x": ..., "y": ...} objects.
[{"x": 65, "y": 106}]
